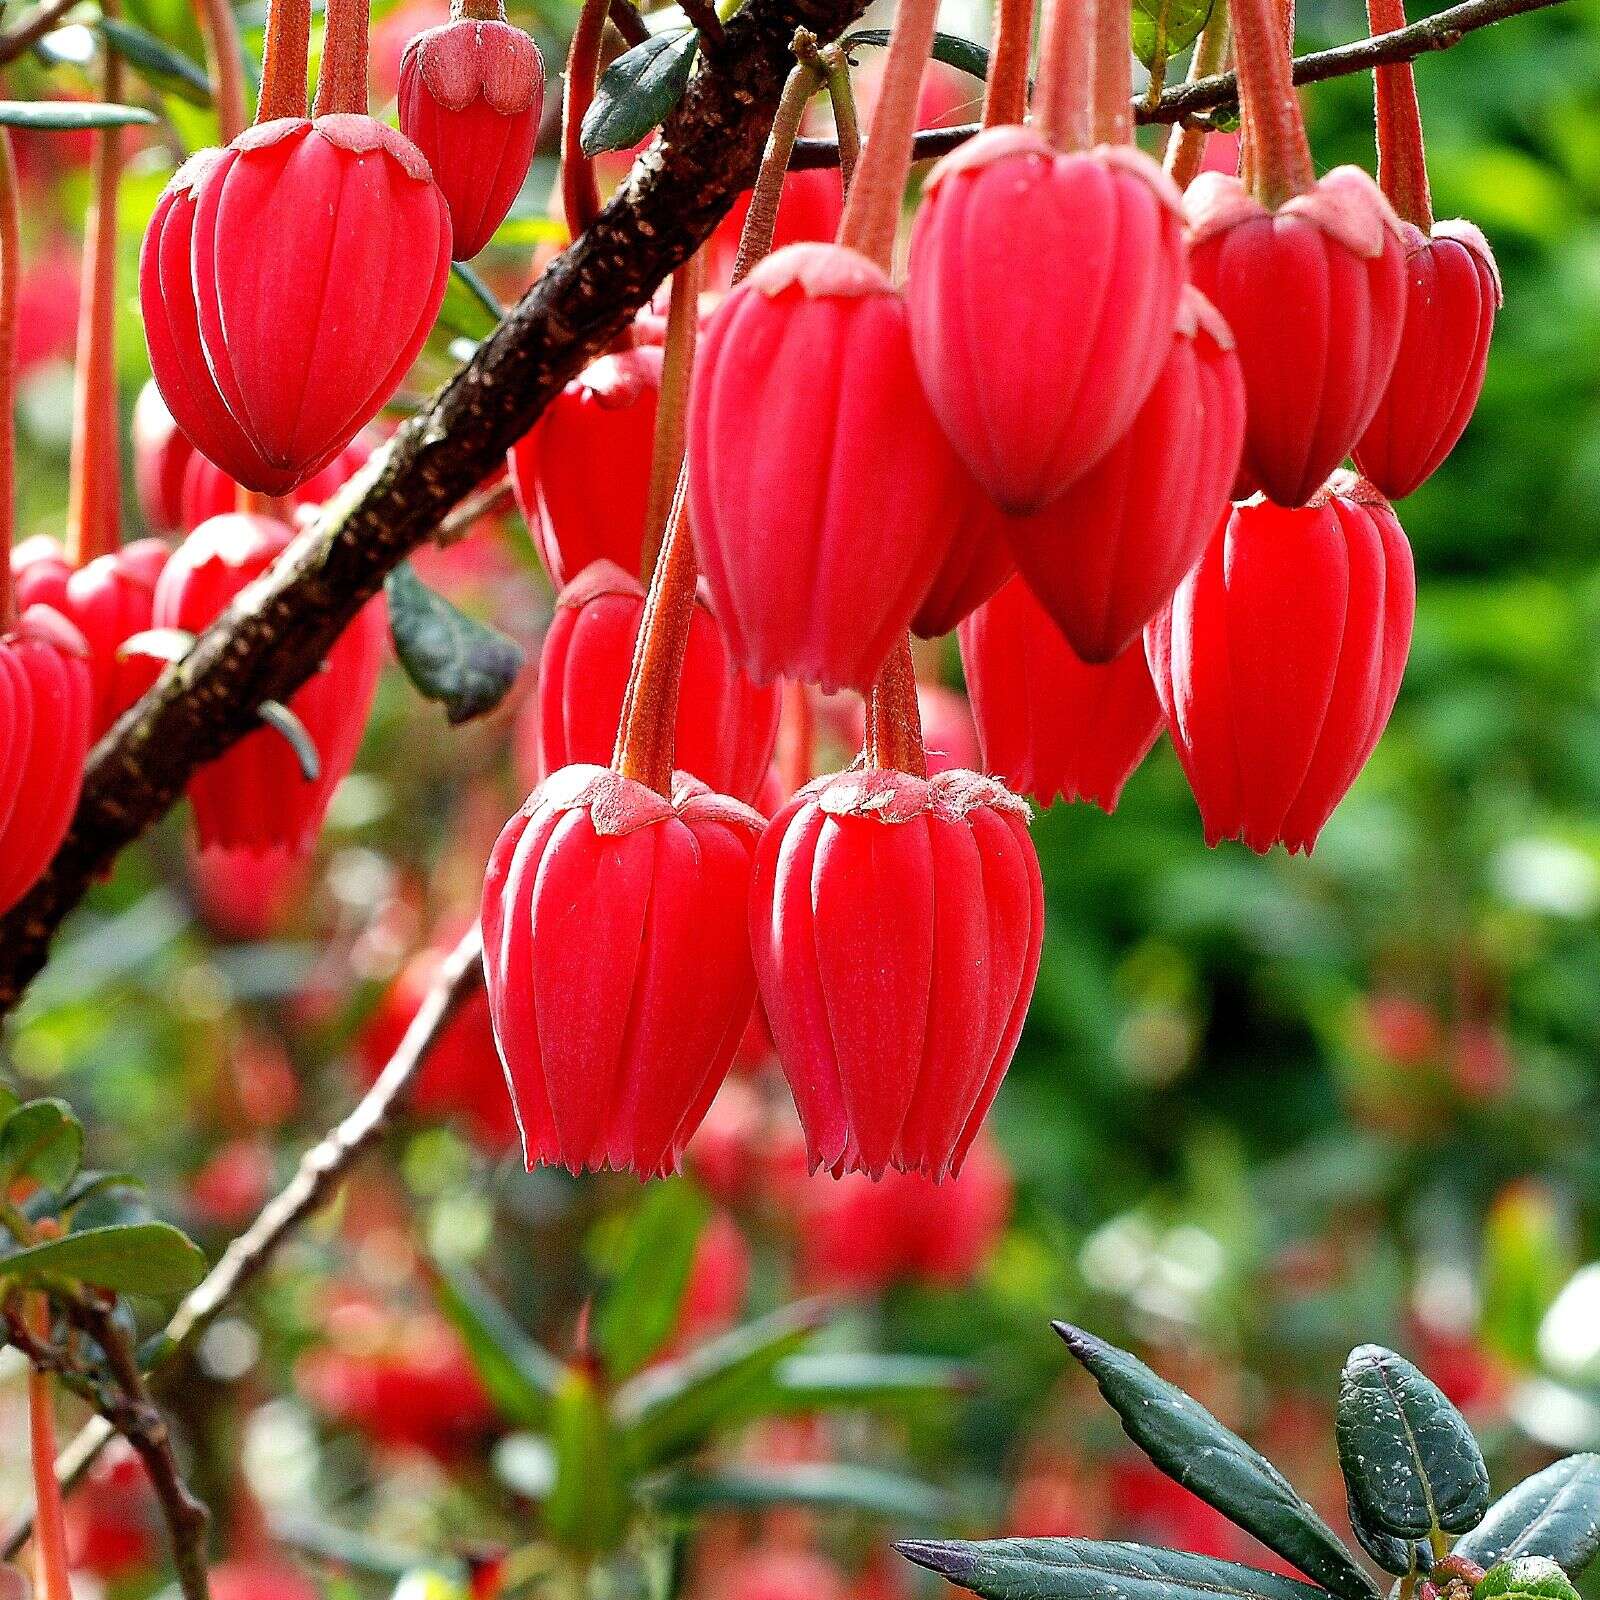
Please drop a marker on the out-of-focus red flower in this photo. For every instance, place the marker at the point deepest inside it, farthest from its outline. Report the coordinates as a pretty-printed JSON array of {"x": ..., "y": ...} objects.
[
  {"x": 234, "y": 1183},
  {"x": 260, "y": 1579},
  {"x": 719, "y": 1279},
  {"x": 112, "y": 1517},
  {"x": 405, "y": 1382},
  {"x": 462, "y": 1077}
]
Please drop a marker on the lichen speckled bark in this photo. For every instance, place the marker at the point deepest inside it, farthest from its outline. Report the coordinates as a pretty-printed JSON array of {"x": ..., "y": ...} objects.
[{"x": 282, "y": 626}]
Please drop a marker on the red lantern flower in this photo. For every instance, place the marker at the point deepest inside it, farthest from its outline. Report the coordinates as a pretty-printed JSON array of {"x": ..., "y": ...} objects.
[
  {"x": 726, "y": 726},
  {"x": 209, "y": 492},
  {"x": 896, "y": 924},
  {"x": 976, "y": 564},
  {"x": 807, "y": 424},
  {"x": 161, "y": 453},
  {"x": 617, "y": 964},
  {"x": 1106, "y": 555},
  {"x": 255, "y": 797},
  {"x": 582, "y": 472},
  {"x": 1452, "y": 295},
  {"x": 288, "y": 283},
  {"x": 1315, "y": 295},
  {"x": 1049, "y": 724},
  {"x": 1280, "y": 657},
  {"x": 45, "y": 695},
  {"x": 1042, "y": 293},
  {"x": 462, "y": 1076},
  {"x": 470, "y": 97}
]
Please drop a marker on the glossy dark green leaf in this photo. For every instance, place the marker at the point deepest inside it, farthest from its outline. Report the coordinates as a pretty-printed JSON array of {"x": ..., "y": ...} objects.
[
  {"x": 42, "y": 1140},
  {"x": 469, "y": 309},
  {"x": 520, "y": 1375},
  {"x": 1555, "y": 1513},
  {"x": 827, "y": 1486},
  {"x": 285, "y": 723},
  {"x": 151, "y": 1258},
  {"x": 1396, "y": 1556},
  {"x": 1409, "y": 1458},
  {"x": 69, "y": 116},
  {"x": 637, "y": 92},
  {"x": 639, "y": 1309},
  {"x": 467, "y": 666},
  {"x": 962, "y": 54},
  {"x": 1194, "y": 1449},
  {"x": 1525, "y": 1578},
  {"x": 1087, "y": 1569},
  {"x": 672, "y": 1408},
  {"x": 157, "y": 62},
  {"x": 1161, "y": 28},
  {"x": 839, "y": 1380}
]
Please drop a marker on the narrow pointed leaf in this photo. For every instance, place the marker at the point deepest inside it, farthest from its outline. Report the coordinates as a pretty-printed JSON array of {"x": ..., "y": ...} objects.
[
  {"x": 637, "y": 92},
  {"x": 69, "y": 116},
  {"x": 282, "y": 720},
  {"x": 962, "y": 54},
  {"x": 1408, "y": 1456},
  {"x": 1555, "y": 1513},
  {"x": 467, "y": 666},
  {"x": 151, "y": 1258},
  {"x": 839, "y": 1380},
  {"x": 670, "y": 1409},
  {"x": 520, "y": 1375},
  {"x": 828, "y": 1486},
  {"x": 1212, "y": 1461},
  {"x": 157, "y": 62},
  {"x": 639, "y": 1309},
  {"x": 42, "y": 1140},
  {"x": 1089, "y": 1569}
]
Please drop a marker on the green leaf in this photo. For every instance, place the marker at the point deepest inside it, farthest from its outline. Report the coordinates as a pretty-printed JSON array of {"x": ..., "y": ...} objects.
[
  {"x": 639, "y": 1309},
  {"x": 1555, "y": 1513},
  {"x": 9, "y": 1100},
  {"x": 671, "y": 1408},
  {"x": 1397, "y": 1556},
  {"x": 150, "y": 1258},
  {"x": 520, "y": 1375},
  {"x": 69, "y": 116},
  {"x": 1194, "y": 1449},
  {"x": 838, "y": 1380},
  {"x": 828, "y": 1486},
  {"x": 1409, "y": 1458},
  {"x": 157, "y": 62},
  {"x": 42, "y": 1140},
  {"x": 282, "y": 720},
  {"x": 88, "y": 1185},
  {"x": 637, "y": 92},
  {"x": 1161, "y": 28},
  {"x": 1087, "y": 1569},
  {"x": 588, "y": 1505},
  {"x": 467, "y": 666},
  {"x": 962, "y": 54},
  {"x": 1526, "y": 1578},
  {"x": 164, "y": 644},
  {"x": 469, "y": 309}
]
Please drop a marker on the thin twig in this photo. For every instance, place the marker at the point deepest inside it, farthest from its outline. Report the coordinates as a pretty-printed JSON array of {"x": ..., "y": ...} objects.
[
  {"x": 706, "y": 21},
  {"x": 322, "y": 1168},
  {"x": 133, "y": 1414},
  {"x": 627, "y": 21},
  {"x": 18, "y": 41},
  {"x": 1183, "y": 100}
]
